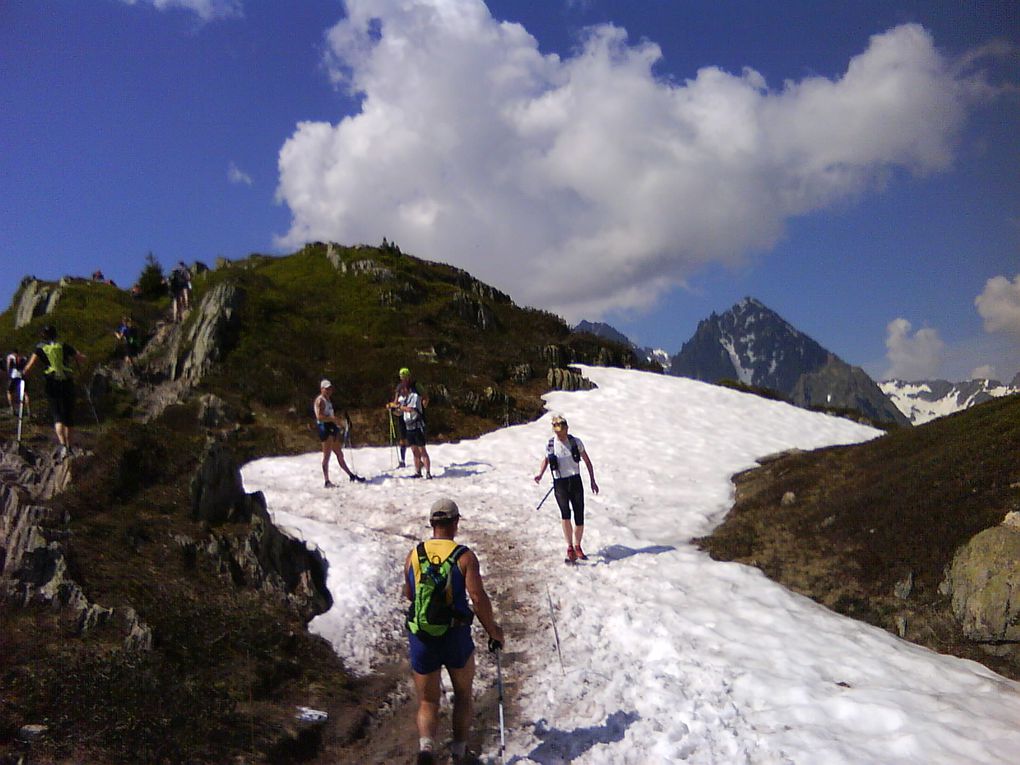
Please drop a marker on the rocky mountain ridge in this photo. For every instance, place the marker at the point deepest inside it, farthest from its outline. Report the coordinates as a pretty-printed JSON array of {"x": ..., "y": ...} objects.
[
  {"x": 608, "y": 332},
  {"x": 925, "y": 400}
]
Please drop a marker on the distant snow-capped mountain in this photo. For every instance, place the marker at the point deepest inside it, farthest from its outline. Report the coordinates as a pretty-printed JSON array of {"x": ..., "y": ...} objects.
[
  {"x": 755, "y": 345},
  {"x": 608, "y": 332},
  {"x": 926, "y": 400}
]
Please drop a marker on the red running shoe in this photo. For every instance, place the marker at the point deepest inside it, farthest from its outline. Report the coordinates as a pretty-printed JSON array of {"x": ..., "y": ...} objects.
[
  {"x": 580, "y": 553},
  {"x": 571, "y": 555}
]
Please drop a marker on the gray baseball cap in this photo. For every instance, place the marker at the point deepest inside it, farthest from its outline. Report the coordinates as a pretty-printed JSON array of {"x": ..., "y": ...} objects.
[{"x": 443, "y": 511}]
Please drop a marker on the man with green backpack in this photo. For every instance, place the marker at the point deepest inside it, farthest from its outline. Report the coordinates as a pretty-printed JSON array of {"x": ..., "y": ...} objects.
[
  {"x": 57, "y": 357},
  {"x": 439, "y": 577}
]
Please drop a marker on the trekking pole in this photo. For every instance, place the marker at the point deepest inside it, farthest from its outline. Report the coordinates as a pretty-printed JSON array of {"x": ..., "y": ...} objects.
[
  {"x": 21, "y": 408},
  {"x": 544, "y": 498},
  {"x": 348, "y": 427},
  {"x": 88, "y": 395},
  {"x": 556, "y": 634},
  {"x": 499, "y": 691},
  {"x": 393, "y": 439}
]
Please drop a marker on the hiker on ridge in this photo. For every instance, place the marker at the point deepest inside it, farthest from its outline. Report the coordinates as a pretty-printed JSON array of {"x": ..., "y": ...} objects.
[
  {"x": 180, "y": 285},
  {"x": 15, "y": 366},
  {"x": 127, "y": 333},
  {"x": 438, "y": 640},
  {"x": 328, "y": 426},
  {"x": 59, "y": 384},
  {"x": 563, "y": 457},
  {"x": 399, "y": 397}
]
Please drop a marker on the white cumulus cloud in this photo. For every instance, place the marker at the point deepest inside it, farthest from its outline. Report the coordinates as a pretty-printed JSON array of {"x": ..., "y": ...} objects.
[
  {"x": 916, "y": 356},
  {"x": 587, "y": 183},
  {"x": 999, "y": 306},
  {"x": 237, "y": 175},
  {"x": 207, "y": 10}
]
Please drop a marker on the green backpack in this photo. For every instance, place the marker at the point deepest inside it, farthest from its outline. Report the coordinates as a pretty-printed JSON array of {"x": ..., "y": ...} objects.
[{"x": 431, "y": 613}]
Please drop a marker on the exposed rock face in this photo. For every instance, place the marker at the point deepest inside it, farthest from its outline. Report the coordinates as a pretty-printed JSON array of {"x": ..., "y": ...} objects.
[
  {"x": 264, "y": 558},
  {"x": 474, "y": 311},
  {"x": 368, "y": 268},
  {"x": 33, "y": 567},
  {"x": 984, "y": 581},
  {"x": 210, "y": 335},
  {"x": 37, "y": 299},
  {"x": 568, "y": 379},
  {"x": 756, "y": 346},
  {"x": 839, "y": 385}
]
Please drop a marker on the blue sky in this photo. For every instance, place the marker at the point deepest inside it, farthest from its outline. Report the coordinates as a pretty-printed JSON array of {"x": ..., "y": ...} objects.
[{"x": 853, "y": 165}]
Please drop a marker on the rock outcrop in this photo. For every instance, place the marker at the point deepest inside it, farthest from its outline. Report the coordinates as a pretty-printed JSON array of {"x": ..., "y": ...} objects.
[
  {"x": 36, "y": 299},
  {"x": 33, "y": 564},
  {"x": 568, "y": 379},
  {"x": 208, "y": 336},
  {"x": 984, "y": 582},
  {"x": 264, "y": 557}
]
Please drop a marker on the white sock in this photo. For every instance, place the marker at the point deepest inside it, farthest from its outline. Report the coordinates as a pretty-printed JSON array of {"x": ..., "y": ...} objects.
[{"x": 425, "y": 744}]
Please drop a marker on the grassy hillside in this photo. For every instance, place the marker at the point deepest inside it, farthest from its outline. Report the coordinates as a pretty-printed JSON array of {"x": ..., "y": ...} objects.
[{"x": 866, "y": 517}]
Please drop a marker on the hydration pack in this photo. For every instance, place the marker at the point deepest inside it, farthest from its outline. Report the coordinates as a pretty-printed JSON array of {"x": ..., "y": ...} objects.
[
  {"x": 57, "y": 369},
  {"x": 431, "y": 613},
  {"x": 554, "y": 461}
]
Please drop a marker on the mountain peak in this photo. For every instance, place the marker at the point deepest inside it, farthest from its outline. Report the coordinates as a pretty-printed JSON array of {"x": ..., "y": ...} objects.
[{"x": 753, "y": 344}]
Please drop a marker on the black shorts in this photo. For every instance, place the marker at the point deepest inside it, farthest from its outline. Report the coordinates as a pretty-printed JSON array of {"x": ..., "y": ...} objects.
[
  {"x": 14, "y": 386},
  {"x": 401, "y": 428},
  {"x": 570, "y": 492},
  {"x": 60, "y": 394},
  {"x": 328, "y": 430},
  {"x": 416, "y": 436}
]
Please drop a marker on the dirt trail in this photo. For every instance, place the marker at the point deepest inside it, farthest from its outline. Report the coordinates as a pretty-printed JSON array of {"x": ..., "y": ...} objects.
[{"x": 389, "y": 734}]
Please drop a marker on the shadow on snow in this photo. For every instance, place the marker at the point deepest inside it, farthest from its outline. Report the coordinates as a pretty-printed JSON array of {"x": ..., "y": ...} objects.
[
  {"x": 562, "y": 746},
  {"x": 619, "y": 552}
]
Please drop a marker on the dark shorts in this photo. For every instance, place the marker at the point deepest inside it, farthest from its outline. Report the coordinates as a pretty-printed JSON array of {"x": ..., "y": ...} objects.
[
  {"x": 416, "y": 436},
  {"x": 452, "y": 650},
  {"x": 328, "y": 430},
  {"x": 60, "y": 394},
  {"x": 570, "y": 493},
  {"x": 14, "y": 387},
  {"x": 401, "y": 429}
]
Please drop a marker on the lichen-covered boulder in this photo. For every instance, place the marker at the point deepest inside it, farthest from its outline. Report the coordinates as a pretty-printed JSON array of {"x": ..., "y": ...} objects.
[{"x": 984, "y": 581}]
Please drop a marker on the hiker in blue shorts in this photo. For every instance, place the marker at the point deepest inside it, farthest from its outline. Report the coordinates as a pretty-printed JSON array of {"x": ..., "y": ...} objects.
[{"x": 442, "y": 638}]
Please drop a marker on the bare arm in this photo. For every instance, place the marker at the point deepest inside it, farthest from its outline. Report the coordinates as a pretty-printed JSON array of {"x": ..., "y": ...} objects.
[
  {"x": 591, "y": 472},
  {"x": 405, "y": 587},
  {"x": 541, "y": 469},
  {"x": 479, "y": 599},
  {"x": 28, "y": 367}
]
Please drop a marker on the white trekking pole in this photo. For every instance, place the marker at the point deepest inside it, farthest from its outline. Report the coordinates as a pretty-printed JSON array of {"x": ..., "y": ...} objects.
[
  {"x": 21, "y": 407},
  {"x": 499, "y": 688}
]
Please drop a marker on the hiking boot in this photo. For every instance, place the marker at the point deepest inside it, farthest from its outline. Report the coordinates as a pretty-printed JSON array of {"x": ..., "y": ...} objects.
[
  {"x": 428, "y": 476},
  {"x": 355, "y": 478},
  {"x": 328, "y": 484},
  {"x": 416, "y": 475},
  {"x": 571, "y": 555},
  {"x": 425, "y": 758},
  {"x": 401, "y": 464},
  {"x": 580, "y": 553}
]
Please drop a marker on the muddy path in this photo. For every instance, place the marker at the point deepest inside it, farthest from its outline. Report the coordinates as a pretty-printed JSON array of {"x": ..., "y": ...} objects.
[{"x": 388, "y": 733}]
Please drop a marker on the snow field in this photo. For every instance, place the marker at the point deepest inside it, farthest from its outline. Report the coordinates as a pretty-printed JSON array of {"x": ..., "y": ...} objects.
[{"x": 667, "y": 655}]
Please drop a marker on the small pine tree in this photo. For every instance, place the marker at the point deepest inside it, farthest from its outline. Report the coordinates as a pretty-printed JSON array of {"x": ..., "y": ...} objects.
[{"x": 151, "y": 284}]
